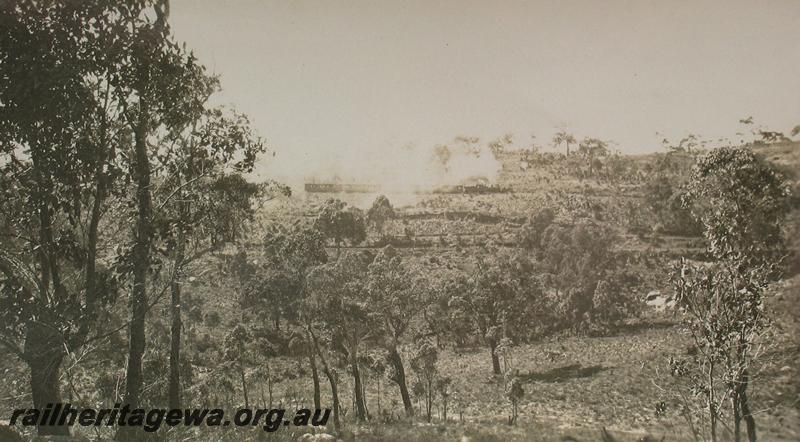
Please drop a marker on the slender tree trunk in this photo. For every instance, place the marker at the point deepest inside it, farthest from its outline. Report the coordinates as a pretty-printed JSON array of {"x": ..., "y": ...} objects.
[
  {"x": 43, "y": 350},
  {"x": 91, "y": 247},
  {"x": 263, "y": 399},
  {"x": 364, "y": 396},
  {"x": 380, "y": 408},
  {"x": 713, "y": 424},
  {"x": 334, "y": 395},
  {"x": 141, "y": 265},
  {"x": 514, "y": 413},
  {"x": 495, "y": 357},
  {"x": 712, "y": 411},
  {"x": 745, "y": 407},
  {"x": 315, "y": 379},
  {"x": 360, "y": 409},
  {"x": 269, "y": 384},
  {"x": 176, "y": 320},
  {"x": 400, "y": 379},
  {"x": 175, "y": 346},
  {"x": 244, "y": 386},
  {"x": 331, "y": 378},
  {"x": 737, "y": 417},
  {"x": 44, "y": 355},
  {"x": 429, "y": 401}
]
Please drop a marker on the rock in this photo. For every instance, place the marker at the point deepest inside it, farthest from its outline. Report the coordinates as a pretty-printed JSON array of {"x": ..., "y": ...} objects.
[{"x": 657, "y": 300}]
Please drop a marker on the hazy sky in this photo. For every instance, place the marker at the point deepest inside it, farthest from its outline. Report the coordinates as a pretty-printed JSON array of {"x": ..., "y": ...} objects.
[{"x": 329, "y": 81}]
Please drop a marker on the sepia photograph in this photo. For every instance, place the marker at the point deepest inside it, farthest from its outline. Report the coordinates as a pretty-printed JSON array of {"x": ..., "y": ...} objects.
[{"x": 413, "y": 221}]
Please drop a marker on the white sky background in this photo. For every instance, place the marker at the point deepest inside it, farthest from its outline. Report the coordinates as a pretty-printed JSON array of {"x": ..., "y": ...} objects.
[{"x": 340, "y": 84}]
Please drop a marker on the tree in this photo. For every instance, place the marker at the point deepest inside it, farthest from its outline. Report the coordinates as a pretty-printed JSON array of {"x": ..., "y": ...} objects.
[
  {"x": 162, "y": 89},
  {"x": 591, "y": 149},
  {"x": 380, "y": 212},
  {"x": 61, "y": 134},
  {"x": 531, "y": 234},
  {"x": 663, "y": 196},
  {"x": 687, "y": 144},
  {"x": 113, "y": 89},
  {"x": 443, "y": 389},
  {"x": 237, "y": 354},
  {"x": 337, "y": 298},
  {"x": 394, "y": 300},
  {"x": 514, "y": 393},
  {"x": 572, "y": 261},
  {"x": 301, "y": 344},
  {"x": 340, "y": 222},
  {"x": 424, "y": 364},
  {"x": 442, "y": 284},
  {"x": 741, "y": 202},
  {"x": 505, "y": 348},
  {"x": 493, "y": 302},
  {"x": 722, "y": 305},
  {"x": 329, "y": 371},
  {"x": 204, "y": 204},
  {"x": 613, "y": 298},
  {"x": 769, "y": 137},
  {"x": 276, "y": 285},
  {"x": 265, "y": 349},
  {"x": 563, "y": 137}
]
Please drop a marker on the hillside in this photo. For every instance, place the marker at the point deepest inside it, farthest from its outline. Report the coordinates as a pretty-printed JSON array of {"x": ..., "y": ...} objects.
[{"x": 576, "y": 386}]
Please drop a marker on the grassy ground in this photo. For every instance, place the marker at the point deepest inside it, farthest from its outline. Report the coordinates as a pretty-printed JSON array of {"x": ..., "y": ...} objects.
[{"x": 576, "y": 388}]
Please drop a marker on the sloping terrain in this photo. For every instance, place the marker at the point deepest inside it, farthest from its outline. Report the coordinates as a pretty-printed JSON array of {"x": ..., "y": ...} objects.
[{"x": 576, "y": 387}]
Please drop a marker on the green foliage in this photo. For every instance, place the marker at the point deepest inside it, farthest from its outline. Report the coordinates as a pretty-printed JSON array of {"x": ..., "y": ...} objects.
[
  {"x": 206, "y": 201},
  {"x": 424, "y": 365},
  {"x": 396, "y": 293},
  {"x": 337, "y": 300},
  {"x": 573, "y": 260},
  {"x": 499, "y": 298},
  {"x": 340, "y": 222},
  {"x": 741, "y": 201},
  {"x": 565, "y": 138},
  {"x": 275, "y": 284},
  {"x": 614, "y": 299},
  {"x": 532, "y": 232},
  {"x": 722, "y": 306},
  {"x": 58, "y": 131},
  {"x": 663, "y": 196},
  {"x": 591, "y": 149},
  {"x": 380, "y": 212},
  {"x": 237, "y": 344}
]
